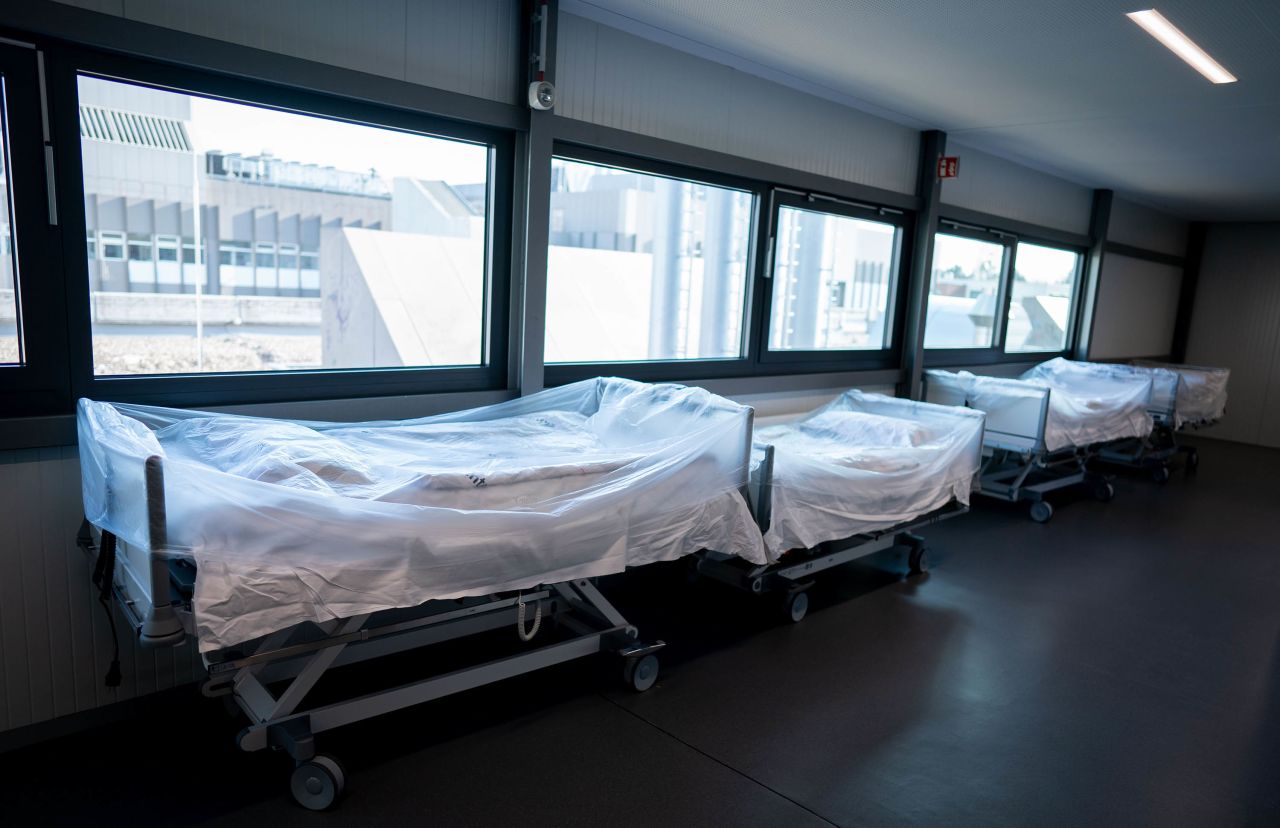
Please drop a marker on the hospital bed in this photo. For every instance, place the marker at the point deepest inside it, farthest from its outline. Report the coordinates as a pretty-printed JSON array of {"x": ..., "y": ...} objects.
[
  {"x": 1041, "y": 430},
  {"x": 1201, "y": 401},
  {"x": 1153, "y": 451},
  {"x": 288, "y": 549},
  {"x": 857, "y": 476}
]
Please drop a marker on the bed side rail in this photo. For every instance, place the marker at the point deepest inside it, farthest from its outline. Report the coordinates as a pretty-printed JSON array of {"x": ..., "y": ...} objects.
[
  {"x": 1017, "y": 412},
  {"x": 161, "y": 626}
]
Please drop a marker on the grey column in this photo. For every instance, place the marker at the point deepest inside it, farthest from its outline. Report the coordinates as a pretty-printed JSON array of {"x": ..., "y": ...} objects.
[
  {"x": 929, "y": 190},
  {"x": 1099, "y": 221}
]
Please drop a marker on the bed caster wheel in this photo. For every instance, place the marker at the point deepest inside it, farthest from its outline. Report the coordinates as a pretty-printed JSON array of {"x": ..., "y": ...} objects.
[
  {"x": 317, "y": 783},
  {"x": 796, "y": 606},
  {"x": 918, "y": 560},
  {"x": 1041, "y": 511},
  {"x": 1103, "y": 491},
  {"x": 641, "y": 673},
  {"x": 1193, "y": 461},
  {"x": 1160, "y": 474}
]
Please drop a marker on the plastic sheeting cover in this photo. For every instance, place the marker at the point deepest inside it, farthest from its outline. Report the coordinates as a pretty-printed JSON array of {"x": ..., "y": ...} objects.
[
  {"x": 302, "y": 521},
  {"x": 863, "y": 463},
  {"x": 1202, "y": 391},
  {"x": 1091, "y": 403}
]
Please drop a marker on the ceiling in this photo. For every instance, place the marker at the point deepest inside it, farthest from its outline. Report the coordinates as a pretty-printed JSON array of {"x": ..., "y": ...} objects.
[{"x": 1073, "y": 88}]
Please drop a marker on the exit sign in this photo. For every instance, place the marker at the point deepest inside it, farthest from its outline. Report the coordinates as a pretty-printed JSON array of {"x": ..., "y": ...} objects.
[{"x": 948, "y": 166}]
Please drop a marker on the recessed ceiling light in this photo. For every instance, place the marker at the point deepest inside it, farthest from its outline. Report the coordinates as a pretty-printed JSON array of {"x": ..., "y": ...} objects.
[{"x": 1159, "y": 27}]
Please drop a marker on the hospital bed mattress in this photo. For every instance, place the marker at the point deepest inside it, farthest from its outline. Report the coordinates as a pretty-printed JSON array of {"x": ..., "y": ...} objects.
[
  {"x": 1088, "y": 405},
  {"x": 293, "y": 521},
  {"x": 865, "y": 463}
]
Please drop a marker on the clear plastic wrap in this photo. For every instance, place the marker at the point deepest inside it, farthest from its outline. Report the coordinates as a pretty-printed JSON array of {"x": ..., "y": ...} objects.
[
  {"x": 1202, "y": 391},
  {"x": 1092, "y": 403},
  {"x": 302, "y": 521},
  {"x": 863, "y": 463}
]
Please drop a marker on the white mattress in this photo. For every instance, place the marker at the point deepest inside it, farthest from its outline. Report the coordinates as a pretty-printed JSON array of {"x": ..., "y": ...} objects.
[
  {"x": 1088, "y": 406},
  {"x": 291, "y": 522},
  {"x": 863, "y": 463}
]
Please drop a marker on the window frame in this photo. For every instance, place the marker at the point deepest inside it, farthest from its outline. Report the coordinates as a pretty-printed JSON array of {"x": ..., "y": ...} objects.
[
  {"x": 756, "y": 360},
  {"x": 995, "y": 353},
  {"x": 863, "y": 359},
  {"x": 275, "y": 386},
  {"x": 39, "y": 384},
  {"x": 675, "y": 370}
]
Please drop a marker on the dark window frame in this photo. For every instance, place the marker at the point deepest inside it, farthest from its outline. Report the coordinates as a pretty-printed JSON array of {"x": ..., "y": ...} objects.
[
  {"x": 756, "y": 359},
  {"x": 995, "y": 353},
  {"x": 849, "y": 359},
  {"x": 39, "y": 384},
  {"x": 68, "y": 62}
]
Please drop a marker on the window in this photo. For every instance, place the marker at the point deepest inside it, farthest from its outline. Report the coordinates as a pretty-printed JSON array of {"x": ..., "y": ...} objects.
[
  {"x": 833, "y": 279},
  {"x": 398, "y": 218},
  {"x": 112, "y": 246},
  {"x": 10, "y": 304},
  {"x": 1042, "y": 298},
  {"x": 644, "y": 267},
  {"x": 91, "y": 246},
  {"x": 964, "y": 293}
]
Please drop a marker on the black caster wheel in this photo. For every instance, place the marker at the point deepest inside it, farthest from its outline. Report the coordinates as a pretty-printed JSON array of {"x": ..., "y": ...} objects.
[
  {"x": 317, "y": 783},
  {"x": 796, "y": 606},
  {"x": 640, "y": 673},
  {"x": 918, "y": 560},
  {"x": 1041, "y": 511},
  {"x": 1160, "y": 474},
  {"x": 1193, "y": 461},
  {"x": 1103, "y": 491}
]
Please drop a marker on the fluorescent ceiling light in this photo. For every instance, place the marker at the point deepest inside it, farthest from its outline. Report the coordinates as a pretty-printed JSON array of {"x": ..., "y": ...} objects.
[{"x": 1159, "y": 27}]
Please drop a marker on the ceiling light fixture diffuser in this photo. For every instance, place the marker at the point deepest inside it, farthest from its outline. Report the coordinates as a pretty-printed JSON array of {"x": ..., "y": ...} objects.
[{"x": 1159, "y": 27}]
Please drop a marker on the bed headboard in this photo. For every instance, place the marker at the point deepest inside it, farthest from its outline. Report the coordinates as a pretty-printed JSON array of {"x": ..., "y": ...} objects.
[{"x": 1017, "y": 411}]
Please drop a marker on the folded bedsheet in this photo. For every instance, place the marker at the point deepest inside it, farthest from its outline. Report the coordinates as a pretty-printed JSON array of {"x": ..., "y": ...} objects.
[
  {"x": 863, "y": 463},
  {"x": 295, "y": 521}
]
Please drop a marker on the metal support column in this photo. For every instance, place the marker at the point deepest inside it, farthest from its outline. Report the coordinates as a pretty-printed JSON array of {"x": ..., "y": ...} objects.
[
  {"x": 933, "y": 144},
  {"x": 1187, "y": 293},
  {"x": 533, "y": 198},
  {"x": 1099, "y": 221}
]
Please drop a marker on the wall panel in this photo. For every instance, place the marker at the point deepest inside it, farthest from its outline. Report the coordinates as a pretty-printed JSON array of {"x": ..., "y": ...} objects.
[
  {"x": 1236, "y": 325},
  {"x": 612, "y": 78},
  {"x": 1140, "y": 226},
  {"x": 1137, "y": 304},
  {"x": 993, "y": 185},
  {"x": 471, "y": 48}
]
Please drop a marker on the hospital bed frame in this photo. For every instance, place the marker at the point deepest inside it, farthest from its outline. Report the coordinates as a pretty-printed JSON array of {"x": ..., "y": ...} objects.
[
  {"x": 1017, "y": 466},
  {"x": 1153, "y": 452},
  {"x": 791, "y": 575},
  {"x": 270, "y": 678}
]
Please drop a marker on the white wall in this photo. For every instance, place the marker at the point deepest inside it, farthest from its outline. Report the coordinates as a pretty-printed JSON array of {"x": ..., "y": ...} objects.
[
  {"x": 608, "y": 77},
  {"x": 993, "y": 185},
  {"x": 1140, "y": 226},
  {"x": 1136, "y": 308},
  {"x": 470, "y": 47},
  {"x": 1236, "y": 324}
]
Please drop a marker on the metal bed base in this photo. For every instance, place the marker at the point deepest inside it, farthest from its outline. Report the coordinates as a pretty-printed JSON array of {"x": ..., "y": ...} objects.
[
  {"x": 791, "y": 576},
  {"x": 1152, "y": 453},
  {"x": 270, "y": 679},
  {"x": 1029, "y": 476}
]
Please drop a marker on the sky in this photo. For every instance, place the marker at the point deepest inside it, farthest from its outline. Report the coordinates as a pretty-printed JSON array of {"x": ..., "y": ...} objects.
[{"x": 251, "y": 130}]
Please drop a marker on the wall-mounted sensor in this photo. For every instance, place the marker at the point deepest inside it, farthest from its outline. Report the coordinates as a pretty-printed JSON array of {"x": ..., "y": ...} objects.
[{"x": 542, "y": 95}]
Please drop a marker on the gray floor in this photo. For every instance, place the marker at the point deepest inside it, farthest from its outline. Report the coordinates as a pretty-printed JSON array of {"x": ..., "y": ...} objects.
[{"x": 1119, "y": 666}]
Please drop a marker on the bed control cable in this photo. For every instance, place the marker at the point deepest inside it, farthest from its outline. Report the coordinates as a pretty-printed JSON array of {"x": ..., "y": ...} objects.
[
  {"x": 527, "y": 635},
  {"x": 103, "y": 574}
]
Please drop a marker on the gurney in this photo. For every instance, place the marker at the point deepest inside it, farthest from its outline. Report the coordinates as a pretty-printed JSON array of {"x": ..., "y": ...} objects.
[
  {"x": 859, "y": 475},
  {"x": 1041, "y": 430},
  {"x": 288, "y": 548},
  {"x": 1201, "y": 401}
]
